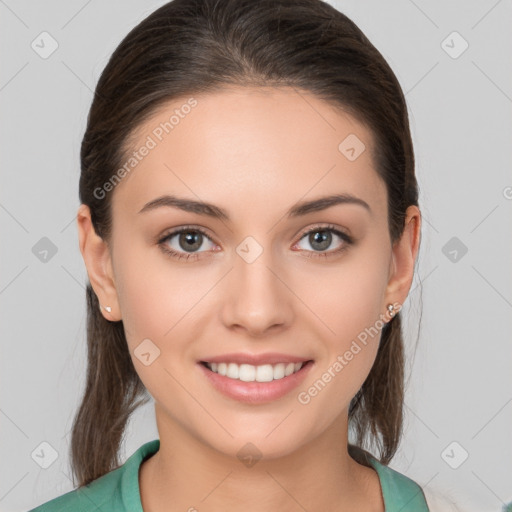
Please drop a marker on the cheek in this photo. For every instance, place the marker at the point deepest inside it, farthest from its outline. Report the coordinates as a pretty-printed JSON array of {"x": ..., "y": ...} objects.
[
  {"x": 161, "y": 303},
  {"x": 153, "y": 293},
  {"x": 348, "y": 298},
  {"x": 154, "y": 307},
  {"x": 351, "y": 309}
]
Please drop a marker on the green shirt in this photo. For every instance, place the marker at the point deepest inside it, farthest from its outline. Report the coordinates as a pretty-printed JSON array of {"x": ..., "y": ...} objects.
[{"x": 118, "y": 490}]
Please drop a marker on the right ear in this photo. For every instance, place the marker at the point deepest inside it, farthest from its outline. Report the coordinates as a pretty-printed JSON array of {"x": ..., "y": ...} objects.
[{"x": 98, "y": 261}]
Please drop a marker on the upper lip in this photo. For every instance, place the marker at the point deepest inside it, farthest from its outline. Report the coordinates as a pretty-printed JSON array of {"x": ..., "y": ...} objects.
[{"x": 255, "y": 359}]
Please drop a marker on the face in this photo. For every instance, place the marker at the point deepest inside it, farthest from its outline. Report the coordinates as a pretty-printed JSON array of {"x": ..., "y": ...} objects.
[{"x": 263, "y": 283}]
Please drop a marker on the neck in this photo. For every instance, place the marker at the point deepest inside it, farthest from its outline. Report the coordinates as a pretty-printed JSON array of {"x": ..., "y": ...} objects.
[{"x": 187, "y": 475}]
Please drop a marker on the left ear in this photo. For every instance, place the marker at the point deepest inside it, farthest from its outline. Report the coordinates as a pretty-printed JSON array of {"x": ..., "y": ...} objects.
[{"x": 404, "y": 255}]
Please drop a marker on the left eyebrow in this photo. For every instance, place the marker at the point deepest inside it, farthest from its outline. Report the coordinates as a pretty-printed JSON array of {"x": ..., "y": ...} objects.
[
  {"x": 210, "y": 210},
  {"x": 326, "y": 202}
]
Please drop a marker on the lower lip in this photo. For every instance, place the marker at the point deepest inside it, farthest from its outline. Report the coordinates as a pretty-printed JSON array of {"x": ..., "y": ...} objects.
[{"x": 256, "y": 392}]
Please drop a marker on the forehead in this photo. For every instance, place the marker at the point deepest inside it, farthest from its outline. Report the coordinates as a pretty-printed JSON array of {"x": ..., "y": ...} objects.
[{"x": 252, "y": 147}]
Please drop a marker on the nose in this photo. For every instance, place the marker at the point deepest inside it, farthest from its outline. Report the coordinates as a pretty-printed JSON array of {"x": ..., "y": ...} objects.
[{"x": 256, "y": 297}]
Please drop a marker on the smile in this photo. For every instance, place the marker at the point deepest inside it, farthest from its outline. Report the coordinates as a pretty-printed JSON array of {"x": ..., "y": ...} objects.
[
  {"x": 251, "y": 373},
  {"x": 255, "y": 384}
]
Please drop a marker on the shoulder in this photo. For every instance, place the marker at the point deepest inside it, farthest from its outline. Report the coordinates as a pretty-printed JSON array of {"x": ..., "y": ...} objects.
[
  {"x": 116, "y": 490},
  {"x": 89, "y": 498},
  {"x": 399, "y": 491}
]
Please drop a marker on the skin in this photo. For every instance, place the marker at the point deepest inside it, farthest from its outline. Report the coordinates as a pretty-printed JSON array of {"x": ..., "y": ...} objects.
[{"x": 254, "y": 152}]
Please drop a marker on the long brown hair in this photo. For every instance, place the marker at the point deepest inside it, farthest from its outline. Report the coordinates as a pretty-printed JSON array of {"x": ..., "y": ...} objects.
[{"x": 189, "y": 47}]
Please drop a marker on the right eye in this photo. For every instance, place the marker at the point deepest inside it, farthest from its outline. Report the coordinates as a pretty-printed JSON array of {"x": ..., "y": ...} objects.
[{"x": 187, "y": 238}]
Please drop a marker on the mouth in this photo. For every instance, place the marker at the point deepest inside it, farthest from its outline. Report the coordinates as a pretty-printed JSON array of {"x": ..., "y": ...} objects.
[
  {"x": 255, "y": 383},
  {"x": 252, "y": 373}
]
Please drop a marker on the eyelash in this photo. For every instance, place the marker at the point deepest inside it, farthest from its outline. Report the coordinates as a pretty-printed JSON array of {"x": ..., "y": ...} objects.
[{"x": 315, "y": 254}]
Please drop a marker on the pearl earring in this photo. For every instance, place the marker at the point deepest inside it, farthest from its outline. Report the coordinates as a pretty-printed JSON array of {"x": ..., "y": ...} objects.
[
  {"x": 106, "y": 308},
  {"x": 391, "y": 310}
]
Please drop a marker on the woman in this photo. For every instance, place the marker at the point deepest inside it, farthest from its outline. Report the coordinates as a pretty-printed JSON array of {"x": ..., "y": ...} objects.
[{"x": 250, "y": 226}]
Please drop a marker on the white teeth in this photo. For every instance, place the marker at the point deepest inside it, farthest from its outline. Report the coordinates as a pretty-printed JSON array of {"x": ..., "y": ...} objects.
[
  {"x": 290, "y": 368},
  {"x": 279, "y": 371},
  {"x": 264, "y": 373},
  {"x": 251, "y": 373},
  {"x": 232, "y": 371},
  {"x": 247, "y": 372}
]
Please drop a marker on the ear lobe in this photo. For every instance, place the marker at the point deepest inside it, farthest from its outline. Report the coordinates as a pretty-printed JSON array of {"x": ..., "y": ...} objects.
[
  {"x": 404, "y": 256},
  {"x": 97, "y": 258}
]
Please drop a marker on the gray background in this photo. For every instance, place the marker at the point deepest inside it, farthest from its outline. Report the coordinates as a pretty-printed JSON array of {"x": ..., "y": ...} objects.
[{"x": 460, "y": 388}]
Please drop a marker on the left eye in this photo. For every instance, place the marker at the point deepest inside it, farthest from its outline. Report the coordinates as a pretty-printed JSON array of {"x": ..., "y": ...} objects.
[{"x": 321, "y": 238}]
